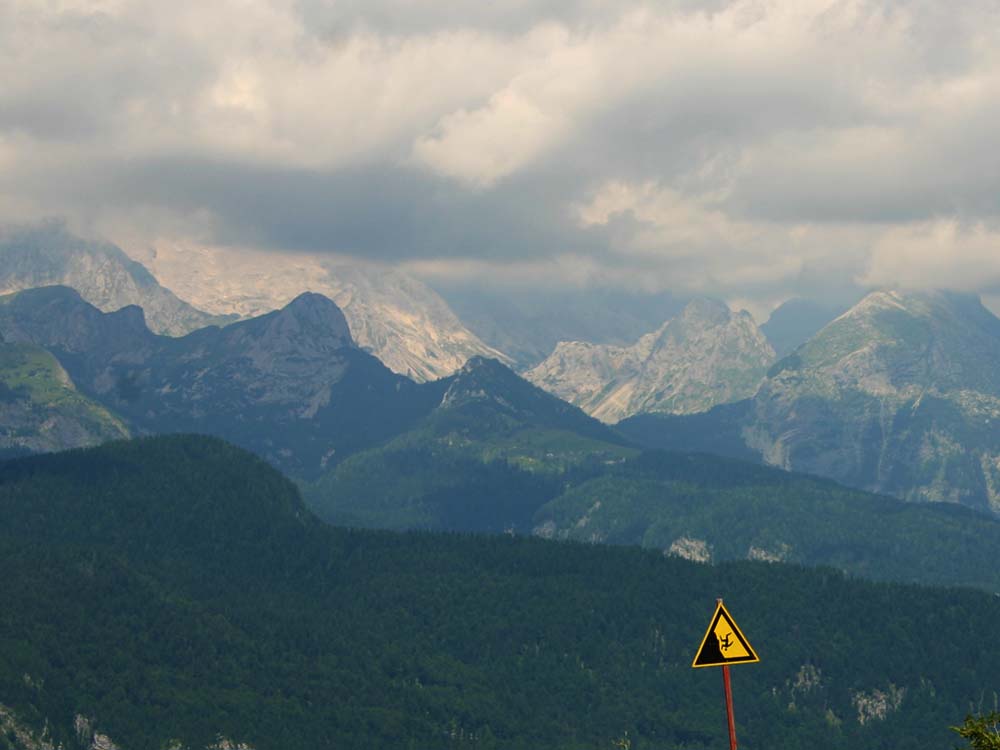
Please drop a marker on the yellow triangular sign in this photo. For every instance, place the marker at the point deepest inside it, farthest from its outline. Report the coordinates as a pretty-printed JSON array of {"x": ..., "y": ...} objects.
[{"x": 724, "y": 643}]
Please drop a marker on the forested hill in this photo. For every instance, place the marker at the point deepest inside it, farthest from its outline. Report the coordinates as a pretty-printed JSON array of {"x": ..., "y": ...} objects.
[{"x": 175, "y": 590}]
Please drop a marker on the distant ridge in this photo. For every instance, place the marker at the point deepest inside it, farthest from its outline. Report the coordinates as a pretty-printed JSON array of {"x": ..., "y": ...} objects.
[
  {"x": 706, "y": 356},
  {"x": 48, "y": 254}
]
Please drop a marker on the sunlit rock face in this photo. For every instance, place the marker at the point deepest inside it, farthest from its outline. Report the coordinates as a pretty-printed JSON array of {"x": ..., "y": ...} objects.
[
  {"x": 901, "y": 394},
  {"x": 706, "y": 356}
]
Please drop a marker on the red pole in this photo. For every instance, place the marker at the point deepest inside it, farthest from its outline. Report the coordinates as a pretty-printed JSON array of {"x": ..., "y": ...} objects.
[{"x": 729, "y": 706}]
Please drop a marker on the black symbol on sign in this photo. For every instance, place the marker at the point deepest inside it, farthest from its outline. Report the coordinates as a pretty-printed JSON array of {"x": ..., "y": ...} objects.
[{"x": 725, "y": 643}]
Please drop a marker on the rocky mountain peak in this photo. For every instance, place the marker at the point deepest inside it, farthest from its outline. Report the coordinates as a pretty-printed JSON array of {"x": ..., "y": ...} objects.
[
  {"x": 700, "y": 318},
  {"x": 709, "y": 312},
  {"x": 58, "y": 316},
  {"x": 706, "y": 356},
  {"x": 305, "y": 333},
  {"x": 485, "y": 396},
  {"x": 900, "y": 340},
  {"x": 900, "y": 394},
  {"x": 485, "y": 367},
  {"x": 924, "y": 303},
  {"x": 482, "y": 378},
  {"x": 319, "y": 315}
]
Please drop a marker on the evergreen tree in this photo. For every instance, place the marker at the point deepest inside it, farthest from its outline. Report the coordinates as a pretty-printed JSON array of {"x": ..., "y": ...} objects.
[{"x": 982, "y": 732}]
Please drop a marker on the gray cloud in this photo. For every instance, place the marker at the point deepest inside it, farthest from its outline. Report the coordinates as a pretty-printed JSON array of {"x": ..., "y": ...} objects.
[
  {"x": 337, "y": 20},
  {"x": 387, "y": 213},
  {"x": 744, "y": 149}
]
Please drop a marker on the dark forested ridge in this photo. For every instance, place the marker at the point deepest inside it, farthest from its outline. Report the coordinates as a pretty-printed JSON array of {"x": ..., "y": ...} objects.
[
  {"x": 176, "y": 588},
  {"x": 726, "y": 509},
  {"x": 698, "y": 505}
]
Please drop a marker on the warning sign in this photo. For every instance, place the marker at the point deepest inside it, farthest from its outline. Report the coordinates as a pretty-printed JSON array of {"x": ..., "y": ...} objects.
[{"x": 724, "y": 643}]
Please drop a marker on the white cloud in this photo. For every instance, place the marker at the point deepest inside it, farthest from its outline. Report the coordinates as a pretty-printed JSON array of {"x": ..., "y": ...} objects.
[
  {"x": 489, "y": 143},
  {"x": 942, "y": 253}
]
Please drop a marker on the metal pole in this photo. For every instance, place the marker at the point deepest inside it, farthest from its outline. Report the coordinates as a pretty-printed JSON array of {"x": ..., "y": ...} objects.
[{"x": 729, "y": 706}]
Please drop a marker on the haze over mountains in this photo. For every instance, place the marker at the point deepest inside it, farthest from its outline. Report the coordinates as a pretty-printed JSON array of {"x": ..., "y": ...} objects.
[
  {"x": 481, "y": 450},
  {"x": 101, "y": 272},
  {"x": 418, "y": 376},
  {"x": 797, "y": 320},
  {"x": 527, "y": 323},
  {"x": 898, "y": 395},
  {"x": 402, "y": 321}
]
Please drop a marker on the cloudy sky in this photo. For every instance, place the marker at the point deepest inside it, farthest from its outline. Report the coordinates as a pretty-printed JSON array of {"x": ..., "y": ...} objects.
[{"x": 752, "y": 149}]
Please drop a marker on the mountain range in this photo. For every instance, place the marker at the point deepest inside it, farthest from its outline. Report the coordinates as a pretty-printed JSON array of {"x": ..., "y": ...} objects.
[
  {"x": 290, "y": 385},
  {"x": 391, "y": 314},
  {"x": 481, "y": 450},
  {"x": 705, "y": 356},
  {"x": 498, "y": 455},
  {"x": 492, "y": 451},
  {"x": 407, "y": 325},
  {"x": 898, "y": 395}
]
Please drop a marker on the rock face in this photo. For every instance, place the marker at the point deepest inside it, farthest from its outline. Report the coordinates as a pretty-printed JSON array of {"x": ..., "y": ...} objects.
[
  {"x": 900, "y": 395},
  {"x": 706, "y": 356},
  {"x": 18, "y": 736},
  {"x": 291, "y": 385},
  {"x": 102, "y": 274},
  {"x": 408, "y": 326}
]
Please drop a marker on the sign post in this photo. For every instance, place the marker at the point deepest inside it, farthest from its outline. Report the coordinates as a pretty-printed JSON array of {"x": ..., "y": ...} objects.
[
  {"x": 728, "y": 685},
  {"x": 725, "y": 644}
]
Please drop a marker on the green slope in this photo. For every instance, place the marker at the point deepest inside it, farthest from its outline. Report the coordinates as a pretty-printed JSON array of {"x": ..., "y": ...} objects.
[
  {"x": 483, "y": 464},
  {"x": 41, "y": 410},
  {"x": 493, "y": 451},
  {"x": 175, "y": 589}
]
